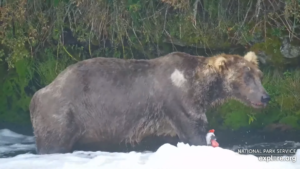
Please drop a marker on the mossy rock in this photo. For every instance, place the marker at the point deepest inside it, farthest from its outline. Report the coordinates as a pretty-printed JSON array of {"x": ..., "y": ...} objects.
[
  {"x": 236, "y": 120},
  {"x": 291, "y": 120},
  {"x": 287, "y": 103},
  {"x": 271, "y": 47},
  {"x": 271, "y": 115}
]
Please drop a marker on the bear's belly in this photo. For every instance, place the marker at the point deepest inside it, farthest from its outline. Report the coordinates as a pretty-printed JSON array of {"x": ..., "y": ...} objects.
[{"x": 94, "y": 139}]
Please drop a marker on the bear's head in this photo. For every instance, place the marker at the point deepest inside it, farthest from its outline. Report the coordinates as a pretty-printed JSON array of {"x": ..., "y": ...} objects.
[{"x": 240, "y": 78}]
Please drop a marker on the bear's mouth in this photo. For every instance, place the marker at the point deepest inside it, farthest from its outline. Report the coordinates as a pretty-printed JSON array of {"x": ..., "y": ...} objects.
[
  {"x": 258, "y": 105},
  {"x": 253, "y": 104}
]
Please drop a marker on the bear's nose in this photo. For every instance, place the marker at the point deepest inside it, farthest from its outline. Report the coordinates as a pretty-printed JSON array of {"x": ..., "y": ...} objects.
[{"x": 265, "y": 99}]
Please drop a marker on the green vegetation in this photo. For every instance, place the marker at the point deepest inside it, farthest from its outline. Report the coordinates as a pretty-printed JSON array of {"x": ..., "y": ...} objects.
[{"x": 40, "y": 38}]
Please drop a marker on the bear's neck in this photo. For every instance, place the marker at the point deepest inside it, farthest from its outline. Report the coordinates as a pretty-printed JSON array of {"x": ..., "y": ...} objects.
[{"x": 209, "y": 91}]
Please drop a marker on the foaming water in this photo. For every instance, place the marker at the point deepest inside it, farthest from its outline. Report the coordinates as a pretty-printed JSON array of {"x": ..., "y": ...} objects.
[
  {"x": 11, "y": 143},
  {"x": 167, "y": 156}
]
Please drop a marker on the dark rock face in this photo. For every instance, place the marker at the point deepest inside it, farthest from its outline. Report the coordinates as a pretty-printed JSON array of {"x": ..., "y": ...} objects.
[{"x": 106, "y": 101}]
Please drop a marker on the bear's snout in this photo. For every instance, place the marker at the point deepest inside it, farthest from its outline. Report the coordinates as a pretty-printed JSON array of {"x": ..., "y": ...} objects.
[{"x": 265, "y": 98}]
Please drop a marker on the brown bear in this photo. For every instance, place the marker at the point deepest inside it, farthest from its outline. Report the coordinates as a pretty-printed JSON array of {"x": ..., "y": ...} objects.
[{"x": 109, "y": 100}]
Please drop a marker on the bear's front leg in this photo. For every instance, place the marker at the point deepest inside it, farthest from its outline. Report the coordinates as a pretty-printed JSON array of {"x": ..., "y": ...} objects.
[
  {"x": 191, "y": 126},
  {"x": 190, "y": 131}
]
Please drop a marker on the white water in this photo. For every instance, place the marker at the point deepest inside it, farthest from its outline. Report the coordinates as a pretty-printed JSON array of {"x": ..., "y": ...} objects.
[{"x": 167, "y": 156}]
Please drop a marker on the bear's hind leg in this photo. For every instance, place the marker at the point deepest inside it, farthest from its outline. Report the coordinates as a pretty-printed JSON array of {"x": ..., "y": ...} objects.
[
  {"x": 51, "y": 143},
  {"x": 57, "y": 134}
]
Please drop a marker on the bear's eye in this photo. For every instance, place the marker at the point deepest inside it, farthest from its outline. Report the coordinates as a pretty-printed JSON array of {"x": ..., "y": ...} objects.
[
  {"x": 261, "y": 78},
  {"x": 247, "y": 77}
]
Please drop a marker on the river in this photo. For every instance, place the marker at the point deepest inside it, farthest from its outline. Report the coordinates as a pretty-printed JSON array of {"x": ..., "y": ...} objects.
[{"x": 17, "y": 151}]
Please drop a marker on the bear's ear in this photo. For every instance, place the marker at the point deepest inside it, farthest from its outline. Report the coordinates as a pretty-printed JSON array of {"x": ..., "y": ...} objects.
[
  {"x": 218, "y": 63},
  {"x": 251, "y": 57}
]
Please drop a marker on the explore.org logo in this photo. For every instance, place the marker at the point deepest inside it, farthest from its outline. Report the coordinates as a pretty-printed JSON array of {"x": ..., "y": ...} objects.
[
  {"x": 272, "y": 154},
  {"x": 277, "y": 158}
]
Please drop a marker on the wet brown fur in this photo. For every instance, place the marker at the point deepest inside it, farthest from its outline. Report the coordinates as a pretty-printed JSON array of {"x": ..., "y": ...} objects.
[{"x": 106, "y": 100}]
